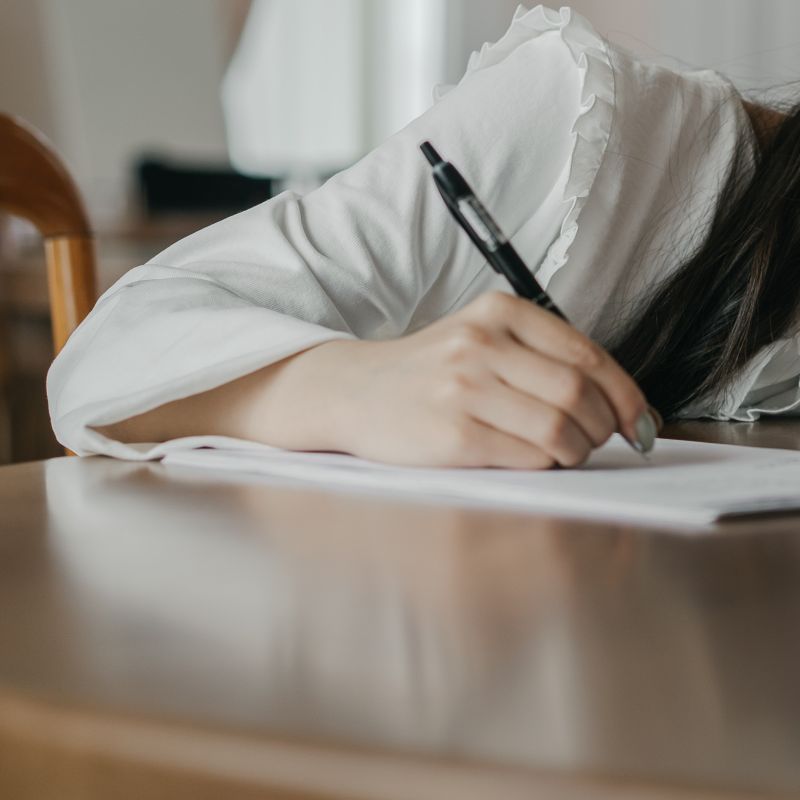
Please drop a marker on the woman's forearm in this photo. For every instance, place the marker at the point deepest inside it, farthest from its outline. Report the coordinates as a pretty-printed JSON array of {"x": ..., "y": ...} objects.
[
  {"x": 499, "y": 383},
  {"x": 287, "y": 404}
]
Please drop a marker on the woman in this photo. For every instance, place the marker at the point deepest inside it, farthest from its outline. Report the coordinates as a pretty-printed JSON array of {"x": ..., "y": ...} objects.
[{"x": 658, "y": 211}]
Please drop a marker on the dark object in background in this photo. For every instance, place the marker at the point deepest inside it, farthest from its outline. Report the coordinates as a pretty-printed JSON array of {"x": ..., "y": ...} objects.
[{"x": 169, "y": 188}]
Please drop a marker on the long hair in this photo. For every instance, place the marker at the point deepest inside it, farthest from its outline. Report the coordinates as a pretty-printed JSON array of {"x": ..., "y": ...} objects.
[{"x": 739, "y": 291}]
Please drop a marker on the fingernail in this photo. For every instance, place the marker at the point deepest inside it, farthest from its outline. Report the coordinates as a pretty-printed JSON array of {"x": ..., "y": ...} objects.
[
  {"x": 646, "y": 432},
  {"x": 657, "y": 417}
]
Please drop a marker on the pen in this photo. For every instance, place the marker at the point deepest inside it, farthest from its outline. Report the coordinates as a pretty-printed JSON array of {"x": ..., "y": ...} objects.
[
  {"x": 487, "y": 236},
  {"x": 485, "y": 233}
]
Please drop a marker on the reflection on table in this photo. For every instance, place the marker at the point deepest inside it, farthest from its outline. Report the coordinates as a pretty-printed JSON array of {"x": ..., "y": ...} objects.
[{"x": 523, "y": 642}]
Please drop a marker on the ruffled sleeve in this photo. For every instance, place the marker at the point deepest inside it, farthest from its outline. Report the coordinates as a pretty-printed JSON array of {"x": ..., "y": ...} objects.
[
  {"x": 371, "y": 254},
  {"x": 591, "y": 129}
]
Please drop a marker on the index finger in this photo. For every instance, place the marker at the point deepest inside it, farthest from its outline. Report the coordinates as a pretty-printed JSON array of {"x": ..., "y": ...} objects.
[{"x": 544, "y": 332}]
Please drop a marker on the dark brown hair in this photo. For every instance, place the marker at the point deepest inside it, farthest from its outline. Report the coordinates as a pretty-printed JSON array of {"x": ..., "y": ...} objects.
[{"x": 739, "y": 291}]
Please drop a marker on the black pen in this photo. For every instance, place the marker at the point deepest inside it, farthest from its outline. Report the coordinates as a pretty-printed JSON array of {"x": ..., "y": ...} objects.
[
  {"x": 487, "y": 236},
  {"x": 485, "y": 233}
]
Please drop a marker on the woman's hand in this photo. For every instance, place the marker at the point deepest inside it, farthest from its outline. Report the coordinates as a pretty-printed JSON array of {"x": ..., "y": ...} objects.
[{"x": 501, "y": 383}]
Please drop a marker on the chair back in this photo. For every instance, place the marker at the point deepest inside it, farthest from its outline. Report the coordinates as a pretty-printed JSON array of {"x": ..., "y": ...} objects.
[{"x": 35, "y": 185}]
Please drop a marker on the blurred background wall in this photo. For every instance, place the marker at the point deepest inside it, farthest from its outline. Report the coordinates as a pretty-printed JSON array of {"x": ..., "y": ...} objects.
[
  {"x": 107, "y": 79},
  {"x": 149, "y": 101},
  {"x": 756, "y": 43},
  {"x": 110, "y": 79}
]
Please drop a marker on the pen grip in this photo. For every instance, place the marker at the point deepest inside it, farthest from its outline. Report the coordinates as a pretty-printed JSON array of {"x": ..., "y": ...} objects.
[{"x": 507, "y": 262}]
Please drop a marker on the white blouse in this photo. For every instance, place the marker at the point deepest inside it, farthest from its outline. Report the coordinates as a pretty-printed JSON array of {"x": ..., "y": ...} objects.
[{"x": 604, "y": 170}]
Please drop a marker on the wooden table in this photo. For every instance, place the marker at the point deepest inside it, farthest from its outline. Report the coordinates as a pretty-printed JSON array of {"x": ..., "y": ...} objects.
[{"x": 165, "y": 635}]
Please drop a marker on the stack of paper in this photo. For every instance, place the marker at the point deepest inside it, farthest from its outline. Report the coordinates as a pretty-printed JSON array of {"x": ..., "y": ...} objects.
[{"x": 689, "y": 483}]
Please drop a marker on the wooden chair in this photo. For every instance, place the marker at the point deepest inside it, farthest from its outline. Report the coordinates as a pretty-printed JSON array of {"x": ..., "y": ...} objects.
[{"x": 35, "y": 185}]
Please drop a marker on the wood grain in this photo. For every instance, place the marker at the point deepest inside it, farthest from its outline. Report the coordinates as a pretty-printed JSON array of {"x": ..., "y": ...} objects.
[
  {"x": 35, "y": 185},
  {"x": 169, "y": 634},
  {"x": 71, "y": 283},
  {"x": 89, "y": 755}
]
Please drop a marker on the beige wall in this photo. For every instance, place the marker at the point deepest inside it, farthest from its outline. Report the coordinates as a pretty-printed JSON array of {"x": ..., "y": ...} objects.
[
  {"x": 754, "y": 42},
  {"x": 106, "y": 79},
  {"x": 631, "y": 23},
  {"x": 24, "y": 82}
]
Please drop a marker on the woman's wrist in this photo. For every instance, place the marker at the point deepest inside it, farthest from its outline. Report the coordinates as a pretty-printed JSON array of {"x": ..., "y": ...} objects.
[
  {"x": 303, "y": 402},
  {"x": 309, "y": 402}
]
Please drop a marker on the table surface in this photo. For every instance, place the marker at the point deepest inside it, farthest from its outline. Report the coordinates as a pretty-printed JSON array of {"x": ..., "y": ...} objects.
[{"x": 165, "y": 634}]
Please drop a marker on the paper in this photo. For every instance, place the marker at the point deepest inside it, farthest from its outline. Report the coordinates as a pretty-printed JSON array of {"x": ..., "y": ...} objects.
[{"x": 688, "y": 483}]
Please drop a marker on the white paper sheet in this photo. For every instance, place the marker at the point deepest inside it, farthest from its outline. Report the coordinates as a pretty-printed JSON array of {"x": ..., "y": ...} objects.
[{"x": 684, "y": 483}]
